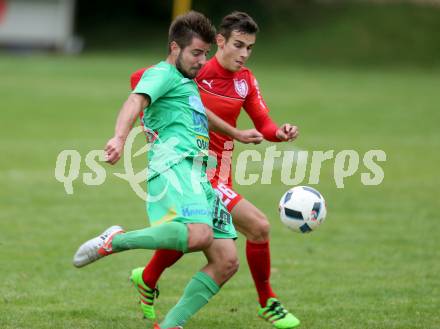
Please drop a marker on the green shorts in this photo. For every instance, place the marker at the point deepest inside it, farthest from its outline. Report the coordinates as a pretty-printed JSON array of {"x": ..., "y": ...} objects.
[{"x": 184, "y": 194}]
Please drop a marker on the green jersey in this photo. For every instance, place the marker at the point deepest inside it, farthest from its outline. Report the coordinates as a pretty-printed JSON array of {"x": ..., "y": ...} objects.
[{"x": 175, "y": 121}]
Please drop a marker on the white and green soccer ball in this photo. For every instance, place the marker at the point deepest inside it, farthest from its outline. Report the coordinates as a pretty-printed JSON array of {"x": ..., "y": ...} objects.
[{"x": 302, "y": 209}]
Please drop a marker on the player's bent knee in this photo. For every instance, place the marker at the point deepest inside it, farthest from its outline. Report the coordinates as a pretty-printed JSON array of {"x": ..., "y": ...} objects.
[
  {"x": 200, "y": 242},
  {"x": 207, "y": 240},
  {"x": 230, "y": 266},
  {"x": 200, "y": 236},
  {"x": 259, "y": 231},
  {"x": 263, "y": 227},
  {"x": 234, "y": 266}
]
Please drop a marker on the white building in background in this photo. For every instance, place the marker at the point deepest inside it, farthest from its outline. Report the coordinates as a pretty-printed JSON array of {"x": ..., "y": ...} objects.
[{"x": 39, "y": 23}]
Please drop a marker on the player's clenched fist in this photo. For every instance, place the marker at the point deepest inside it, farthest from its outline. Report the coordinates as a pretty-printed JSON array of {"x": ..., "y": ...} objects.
[
  {"x": 287, "y": 132},
  {"x": 113, "y": 150}
]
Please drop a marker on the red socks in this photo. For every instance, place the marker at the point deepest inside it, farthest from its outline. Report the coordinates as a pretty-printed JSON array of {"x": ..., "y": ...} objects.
[
  {"x": 257, "y": 254},
  {"x": 161, "y": 260},
  {"x": 258, "y": 257}
]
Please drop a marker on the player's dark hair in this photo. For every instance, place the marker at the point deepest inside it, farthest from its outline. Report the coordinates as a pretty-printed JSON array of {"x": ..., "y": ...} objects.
[
  {"x": 237, "y": 21},
  {"x": 193, "y": 24}
]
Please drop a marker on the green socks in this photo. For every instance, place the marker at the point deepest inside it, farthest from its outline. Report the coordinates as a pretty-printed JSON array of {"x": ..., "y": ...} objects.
[
  {"x": 197, "y": 293},
  {"x": 172, "y": 235}
]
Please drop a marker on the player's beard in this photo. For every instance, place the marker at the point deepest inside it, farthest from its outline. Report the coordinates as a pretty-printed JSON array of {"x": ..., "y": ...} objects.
[{"x": 181, "y": 69}]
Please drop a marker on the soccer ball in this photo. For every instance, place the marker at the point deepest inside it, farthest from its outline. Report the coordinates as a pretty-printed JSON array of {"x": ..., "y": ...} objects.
[{"x": 302, "y": 209}]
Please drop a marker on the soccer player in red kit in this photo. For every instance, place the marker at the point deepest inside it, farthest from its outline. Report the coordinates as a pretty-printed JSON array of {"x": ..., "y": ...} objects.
[{"x": 226, "y": 86}]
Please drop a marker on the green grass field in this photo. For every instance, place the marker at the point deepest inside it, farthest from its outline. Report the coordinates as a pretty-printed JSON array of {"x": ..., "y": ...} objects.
[{"x": 374, "y": 264}]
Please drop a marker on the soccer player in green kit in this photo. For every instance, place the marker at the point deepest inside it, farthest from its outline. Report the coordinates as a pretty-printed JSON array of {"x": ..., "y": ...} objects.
[
  {"x": 227, "y": 87},
  {"x": 184, "y": 211}
]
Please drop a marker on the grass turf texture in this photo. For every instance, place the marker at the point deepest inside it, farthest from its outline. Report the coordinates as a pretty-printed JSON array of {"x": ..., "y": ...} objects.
[{"x": 373, "y": 264}]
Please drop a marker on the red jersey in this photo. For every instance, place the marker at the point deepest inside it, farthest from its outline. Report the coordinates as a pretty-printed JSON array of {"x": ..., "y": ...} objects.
[{"x": 225, "y": 93}]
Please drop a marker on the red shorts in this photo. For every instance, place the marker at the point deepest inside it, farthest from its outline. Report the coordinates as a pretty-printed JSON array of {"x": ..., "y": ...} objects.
[{"x": 229, "y": 197}]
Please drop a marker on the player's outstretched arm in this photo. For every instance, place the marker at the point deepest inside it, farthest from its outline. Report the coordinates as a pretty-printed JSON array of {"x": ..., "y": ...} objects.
[
  {"x": 256, "y": 108},
  {"x": 245, "y": 136},
  {"x": 127, "y": 116}
]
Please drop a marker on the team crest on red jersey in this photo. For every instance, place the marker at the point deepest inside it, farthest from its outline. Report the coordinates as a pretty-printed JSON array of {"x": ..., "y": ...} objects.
[{"x": 241, "y": 87}]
